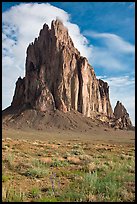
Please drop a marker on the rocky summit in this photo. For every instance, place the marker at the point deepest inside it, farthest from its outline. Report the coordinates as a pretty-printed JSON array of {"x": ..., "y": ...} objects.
[{"x": 58, "y": 78}]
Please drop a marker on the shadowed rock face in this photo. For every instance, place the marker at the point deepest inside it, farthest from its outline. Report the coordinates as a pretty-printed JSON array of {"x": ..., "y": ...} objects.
[
  {"x": 121, "y": 116},
  {"x": 19, "y": 95},
  {"x": 57, "y": 77}
]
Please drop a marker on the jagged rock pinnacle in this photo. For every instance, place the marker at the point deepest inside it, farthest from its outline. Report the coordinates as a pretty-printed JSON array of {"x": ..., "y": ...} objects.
[
  {"x": 121, "y": 116},
  {"x": 57, "y": 77}
]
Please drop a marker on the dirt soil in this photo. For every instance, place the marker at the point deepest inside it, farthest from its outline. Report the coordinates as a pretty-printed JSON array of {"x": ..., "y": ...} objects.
[{"x": 31, "y": 124}]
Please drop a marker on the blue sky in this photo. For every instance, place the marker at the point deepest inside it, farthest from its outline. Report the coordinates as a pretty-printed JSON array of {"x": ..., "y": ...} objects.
[{"x": 102, "y": 31}]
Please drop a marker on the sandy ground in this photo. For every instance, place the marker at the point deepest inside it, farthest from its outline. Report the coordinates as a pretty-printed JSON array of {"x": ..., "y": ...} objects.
[{"x": 97, "y": 134}]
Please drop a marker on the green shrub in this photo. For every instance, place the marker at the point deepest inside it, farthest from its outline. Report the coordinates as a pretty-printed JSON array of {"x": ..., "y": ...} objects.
[
  {"x": 6, "y": 178},
  {"x": 35, "y": 193},
  {"x": 36, "y": 172}
]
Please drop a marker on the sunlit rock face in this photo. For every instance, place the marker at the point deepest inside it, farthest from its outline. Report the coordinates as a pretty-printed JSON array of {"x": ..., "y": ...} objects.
[{"x": 58, "y": 77}]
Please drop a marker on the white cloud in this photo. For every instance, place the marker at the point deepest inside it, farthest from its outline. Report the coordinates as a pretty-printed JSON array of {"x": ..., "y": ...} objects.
[
  {"x": 122, "y": 89},
  {"x": 105, "y": 59},
  {"x": 112, "y": 53},
  {"x": 113, "y": 40},
  {"x": 21, "y": 25}
]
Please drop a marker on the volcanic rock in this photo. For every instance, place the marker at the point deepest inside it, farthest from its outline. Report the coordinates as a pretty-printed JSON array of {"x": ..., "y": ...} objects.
[
  {"x": 122, "y": 119},
  {"x": 60, "y": 88},
  {"x": 58, "y": 77}
]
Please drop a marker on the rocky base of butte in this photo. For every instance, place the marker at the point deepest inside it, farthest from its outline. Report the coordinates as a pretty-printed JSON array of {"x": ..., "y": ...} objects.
[{"x": 58, "y": 78}]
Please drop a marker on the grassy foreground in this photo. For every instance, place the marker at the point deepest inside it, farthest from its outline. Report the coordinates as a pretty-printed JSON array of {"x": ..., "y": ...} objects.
[{"x": 56, "y": 171}]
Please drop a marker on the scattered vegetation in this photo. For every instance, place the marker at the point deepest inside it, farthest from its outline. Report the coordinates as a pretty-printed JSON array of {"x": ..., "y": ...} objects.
[
  {"x": 58, "y": 163},
  {"x": 9, "y": 194},
  {"x": 71, "y": 172}
]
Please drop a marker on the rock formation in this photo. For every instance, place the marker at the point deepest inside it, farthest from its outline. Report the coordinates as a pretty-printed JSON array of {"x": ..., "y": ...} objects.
[
  {"x": 122, "y": 119},
  {"x": 58, "y": 77}
]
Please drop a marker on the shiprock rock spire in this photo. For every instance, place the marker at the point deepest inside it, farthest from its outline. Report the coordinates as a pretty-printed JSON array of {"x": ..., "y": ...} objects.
[{"x": 58, "y": 77}]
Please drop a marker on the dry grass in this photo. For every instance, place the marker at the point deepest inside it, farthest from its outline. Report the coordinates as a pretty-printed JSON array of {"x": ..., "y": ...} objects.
[{"x": 67, "y": 170}]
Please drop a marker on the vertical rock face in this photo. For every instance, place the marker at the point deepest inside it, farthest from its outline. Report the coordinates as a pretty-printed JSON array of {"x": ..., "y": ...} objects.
[
  {"x": 121, "y": 116},
  {"x": 57, "y": 77}
]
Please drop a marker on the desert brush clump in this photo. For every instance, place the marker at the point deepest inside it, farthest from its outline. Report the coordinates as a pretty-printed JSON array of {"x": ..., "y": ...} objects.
[
  {"x": 58, "y": 163},
  {"x": 37, "y": 169},
  {"x": 36, "y": 172}
]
